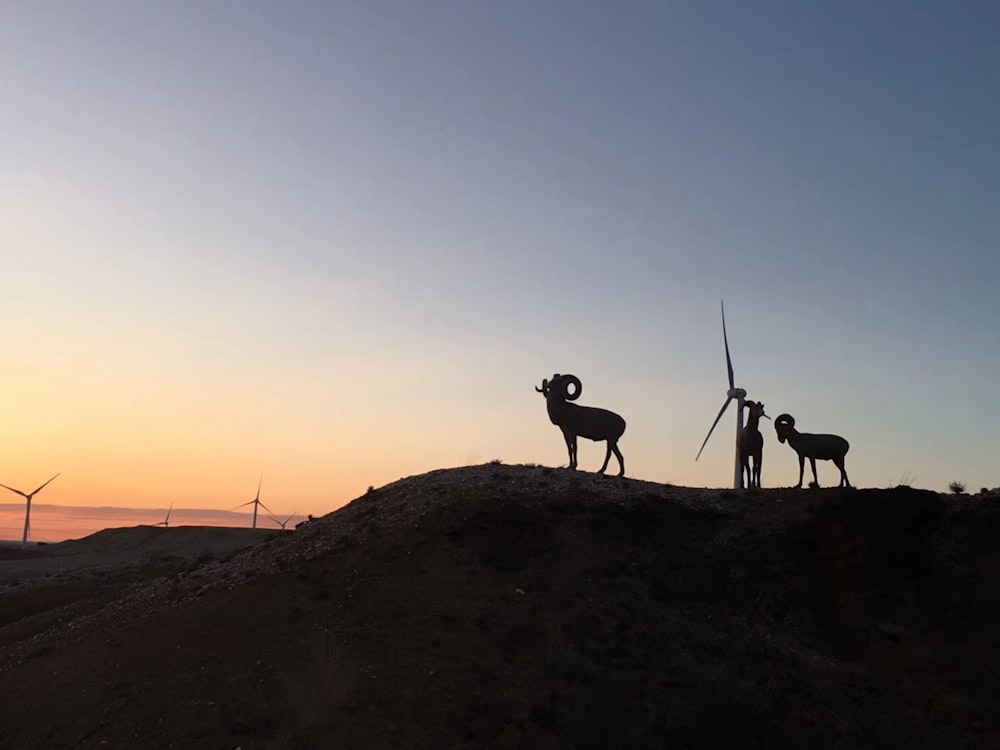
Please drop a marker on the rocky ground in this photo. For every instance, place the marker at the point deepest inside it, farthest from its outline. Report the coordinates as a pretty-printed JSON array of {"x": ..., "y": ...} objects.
[{"x": 526, "y": 607}]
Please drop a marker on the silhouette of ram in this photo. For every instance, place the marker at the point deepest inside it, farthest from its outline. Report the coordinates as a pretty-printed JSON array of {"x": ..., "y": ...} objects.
[
  {"x": 822, "y": 447},
  {"x": 581, "y": 421}
]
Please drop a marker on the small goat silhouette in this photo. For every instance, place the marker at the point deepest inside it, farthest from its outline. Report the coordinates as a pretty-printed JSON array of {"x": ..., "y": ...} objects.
[
  {"x": 581, "y": 421},
  {"x": 822, "y": 447},
  {"x": 751, "y": 444}
]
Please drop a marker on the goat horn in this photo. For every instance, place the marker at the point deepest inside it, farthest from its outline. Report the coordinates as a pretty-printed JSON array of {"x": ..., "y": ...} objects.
[
  {"x": 567, "y": 381},
  {"x": 545, "y": 386},
  {"x": 784, "y": 419}
]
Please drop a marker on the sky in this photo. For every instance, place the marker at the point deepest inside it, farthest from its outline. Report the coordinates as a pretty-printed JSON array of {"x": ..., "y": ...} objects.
[{"x": 340, "y": 243}]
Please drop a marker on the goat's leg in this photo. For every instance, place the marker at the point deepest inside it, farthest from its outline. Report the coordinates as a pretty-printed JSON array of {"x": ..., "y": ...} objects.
[
  {"x": 802, "y": 468},
  {"x": 812, "y": 462},
  {"x": 618, "y": 455},
  {"x": 756, "y": 470}
]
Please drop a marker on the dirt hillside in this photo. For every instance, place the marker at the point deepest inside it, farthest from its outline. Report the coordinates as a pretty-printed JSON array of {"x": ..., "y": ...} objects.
[{"x": 527, "y": 607}]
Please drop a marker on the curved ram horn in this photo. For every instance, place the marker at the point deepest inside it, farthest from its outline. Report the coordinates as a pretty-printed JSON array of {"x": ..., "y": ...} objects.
[{"x": 567, "y": 381}]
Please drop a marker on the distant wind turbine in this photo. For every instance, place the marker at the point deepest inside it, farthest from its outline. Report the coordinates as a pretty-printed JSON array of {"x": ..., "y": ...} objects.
[
  {"x": 739, "y": 394},
  {"x": 255, "y": 503},
  {"x": 27, "y": 510},
  {"x": 166, "y": 521},
  {"x": 280, "y": 522}
]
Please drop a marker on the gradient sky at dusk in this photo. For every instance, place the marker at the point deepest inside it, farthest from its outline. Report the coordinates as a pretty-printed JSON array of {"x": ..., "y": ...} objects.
[{"x": 342, "y": 242}]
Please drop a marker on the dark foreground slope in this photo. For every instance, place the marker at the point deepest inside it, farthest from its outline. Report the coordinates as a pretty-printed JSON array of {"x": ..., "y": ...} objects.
[{"x": 516, "y": 607}]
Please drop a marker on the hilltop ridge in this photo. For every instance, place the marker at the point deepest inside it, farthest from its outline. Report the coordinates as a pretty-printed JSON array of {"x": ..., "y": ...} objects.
[{"x": 517, "y": 606}]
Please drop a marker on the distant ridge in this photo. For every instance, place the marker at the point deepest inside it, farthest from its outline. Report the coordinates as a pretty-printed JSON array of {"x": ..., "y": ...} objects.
[{"x": 127, "y": 546}]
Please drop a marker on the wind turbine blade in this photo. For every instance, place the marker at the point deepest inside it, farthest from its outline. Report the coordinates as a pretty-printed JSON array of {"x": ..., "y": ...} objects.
[
  {"x": 13, "y": 490},
  {"x": 40, "y": 488},
  {"x": 242, "y": 505},
  {"x": 168, "y": 514},
  {"x": 721, "y": 412},
  {"x": 266, "y": 508},
  {"x": 259, "y": 483},
  {"x": 725, "y": 339}
]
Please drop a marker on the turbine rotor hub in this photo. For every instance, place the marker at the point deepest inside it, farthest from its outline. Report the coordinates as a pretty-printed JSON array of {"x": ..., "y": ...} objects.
[{"x": 737, "y": 393}]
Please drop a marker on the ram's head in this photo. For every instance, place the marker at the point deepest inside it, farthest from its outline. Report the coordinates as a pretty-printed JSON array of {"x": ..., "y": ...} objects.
[
  {"x": 783, "y": 425},
  {"x": 567, "y": 387}
]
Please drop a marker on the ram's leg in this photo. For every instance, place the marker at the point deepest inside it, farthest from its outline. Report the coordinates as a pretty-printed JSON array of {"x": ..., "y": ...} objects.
[
  {"x": 757, "y": 470},
  {"x": 607, "y": 457},
  {"x": 621, "y": 460},
  {"x": 812, "y": 463},
  {"x": 802, "y": 468},
  {"x": 571, "y": 447},
  {"x": 844, "y": 481}
]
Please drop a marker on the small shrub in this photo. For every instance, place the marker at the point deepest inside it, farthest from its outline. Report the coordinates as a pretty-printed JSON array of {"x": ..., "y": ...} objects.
[
  {"x": 496, "y": 462},
  {"x": 957, "y": 488}
]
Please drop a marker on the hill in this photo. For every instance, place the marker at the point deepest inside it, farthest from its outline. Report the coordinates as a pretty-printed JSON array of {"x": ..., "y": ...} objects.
[
  {"x": 527, "y": 607},
  {"x": 110, "y": 549}
]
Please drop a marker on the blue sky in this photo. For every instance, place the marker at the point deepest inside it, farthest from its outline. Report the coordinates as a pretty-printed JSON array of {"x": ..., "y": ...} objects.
[{"x": 345, "y": 240}]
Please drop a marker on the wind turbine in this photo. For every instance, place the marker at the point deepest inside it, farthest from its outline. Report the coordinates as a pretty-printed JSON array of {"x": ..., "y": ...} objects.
[
  {"x": 27, "y": 510},
  {"x": 255, "y": 503},
  {"x": 280, "y": 522},
  {"x": 166, "y": 521},
  {"x": 734, "y": 393}
]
